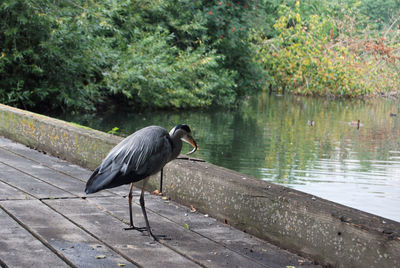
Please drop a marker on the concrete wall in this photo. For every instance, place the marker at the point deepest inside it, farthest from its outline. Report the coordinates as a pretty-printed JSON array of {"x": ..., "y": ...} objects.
[
  {"x": 83, "y": 146},
  {"x": 329, "y": 233}
]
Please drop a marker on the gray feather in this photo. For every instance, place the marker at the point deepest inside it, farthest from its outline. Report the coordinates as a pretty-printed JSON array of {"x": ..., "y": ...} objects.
[{"x": 141, "y": 154}]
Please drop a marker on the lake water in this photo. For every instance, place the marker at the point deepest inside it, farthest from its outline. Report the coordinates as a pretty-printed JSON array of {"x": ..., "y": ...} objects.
[{"x": 272, "y": 138}]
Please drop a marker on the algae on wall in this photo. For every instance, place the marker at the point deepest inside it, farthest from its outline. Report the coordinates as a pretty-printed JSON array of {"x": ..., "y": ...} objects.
[{"x": 68, "y": 141}]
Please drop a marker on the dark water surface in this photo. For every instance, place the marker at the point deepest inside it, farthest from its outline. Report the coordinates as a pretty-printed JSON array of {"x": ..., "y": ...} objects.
[{"x": 271, "y": 138}]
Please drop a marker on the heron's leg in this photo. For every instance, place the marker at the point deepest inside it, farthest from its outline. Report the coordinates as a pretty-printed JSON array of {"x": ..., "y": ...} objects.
[
  {"x": 130, "y": 205},
  {"x": 141, "y": 200},
  {"x": 161, "y": 179},
  {"x": 132, "y": 227}
]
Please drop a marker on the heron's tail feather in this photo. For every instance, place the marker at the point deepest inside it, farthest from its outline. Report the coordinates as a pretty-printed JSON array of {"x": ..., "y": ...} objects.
[{"x": 99, "y": 181}]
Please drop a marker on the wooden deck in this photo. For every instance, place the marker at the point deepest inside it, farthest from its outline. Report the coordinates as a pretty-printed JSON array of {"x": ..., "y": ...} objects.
[{"x": 47, "y": 221}]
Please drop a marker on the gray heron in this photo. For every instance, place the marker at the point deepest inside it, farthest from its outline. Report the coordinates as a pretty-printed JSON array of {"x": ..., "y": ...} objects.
[{"x": 140, "y": 155}]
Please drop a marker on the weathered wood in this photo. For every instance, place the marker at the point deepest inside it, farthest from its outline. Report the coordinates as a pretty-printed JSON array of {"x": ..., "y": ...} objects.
[
  {"x": 28, "y": 184},
  {"x": 226, "y": 235},
  {"x": 62, "y": 236},
  {"x": 46, "y": 160},
  {"x": 71, "y": 186},
  {"x": 8, "y": 192},
  {"x": 18, "y": 248},
  {"x": 111, "y": 231},
  {"x": 60, "y": 169},
  {"x": 188, "y": 243},
  {"x": 205, "y": 236},
  {"x": 74, "y": 230}
]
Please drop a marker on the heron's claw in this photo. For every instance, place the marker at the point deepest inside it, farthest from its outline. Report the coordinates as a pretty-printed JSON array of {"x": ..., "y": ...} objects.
[
  {"x": 144, "y": 229},
  {"x": 158, "y": 237},
  {"x": 140, "y": 229}
]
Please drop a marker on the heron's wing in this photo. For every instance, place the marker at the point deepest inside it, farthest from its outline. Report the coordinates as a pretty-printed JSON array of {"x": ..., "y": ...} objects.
[
  {"x": 98, "y": 181},
  {"x": 141, "y": 154}
]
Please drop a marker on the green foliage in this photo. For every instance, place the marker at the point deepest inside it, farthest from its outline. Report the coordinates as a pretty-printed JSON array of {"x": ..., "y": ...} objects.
[
  {"x": 151, "y": 73},
  {"x": 306, "y": 58},
  {"x": 166, "y": 62},
  {"x": 143, "y": 53},
  {"x": 79, "y": 54},
  {"x": 380, "y": 12},
  {"x": 44, "y": 62},
  {"x": 183, "y": 54},
  {"x": 114, "y": 131},
  {"x": 228, "y": 25}
]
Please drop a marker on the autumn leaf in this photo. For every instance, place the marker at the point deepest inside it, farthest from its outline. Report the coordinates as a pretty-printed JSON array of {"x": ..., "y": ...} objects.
[
  {"x": 156, "y": 192},
  {"x": 192, "y": 208}
]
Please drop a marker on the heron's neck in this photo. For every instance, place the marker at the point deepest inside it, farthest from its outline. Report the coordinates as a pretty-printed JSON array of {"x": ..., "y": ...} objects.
[{"x": 176, "y": 146}]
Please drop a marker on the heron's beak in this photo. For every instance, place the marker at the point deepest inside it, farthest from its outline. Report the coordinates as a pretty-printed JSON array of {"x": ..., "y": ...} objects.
[{"x": 189, "y": 139}]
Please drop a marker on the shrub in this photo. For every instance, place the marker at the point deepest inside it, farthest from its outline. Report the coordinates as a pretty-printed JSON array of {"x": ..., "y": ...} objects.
[
  {"x": 44, "y": 63},
  {"x": 324, "y": 56},
  {"x": 183, "y": 54},
  {"x": 161, "y": 54}
]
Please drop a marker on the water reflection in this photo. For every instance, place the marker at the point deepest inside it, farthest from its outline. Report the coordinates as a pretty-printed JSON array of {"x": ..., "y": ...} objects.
[{"x": 270, "y": 137}]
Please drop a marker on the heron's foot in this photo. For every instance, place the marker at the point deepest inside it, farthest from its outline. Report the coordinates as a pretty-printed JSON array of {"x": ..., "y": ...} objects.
[
  {"x": 140, "y": 229},
  {"x": 158, "y": 237},
  {"x": 150, "y": 234}
]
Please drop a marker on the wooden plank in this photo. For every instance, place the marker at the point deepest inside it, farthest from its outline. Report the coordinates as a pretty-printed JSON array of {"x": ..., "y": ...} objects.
[
  {"x": 18, "y": 248},
  {"x": 200, "y": 248},
  {"x": 101, "y": 224},
  {"x": 8, "y": 192},
  {"x": 236, "y": 240},
  {"x": 34, "y": 158},
  {"x": 45, "y": 159},
  {"x": 52, "y": 177},
  {"x": 65, "y": 238},
  {"x": 28, "y": 184},
  {"x": 63, "y": 221}
]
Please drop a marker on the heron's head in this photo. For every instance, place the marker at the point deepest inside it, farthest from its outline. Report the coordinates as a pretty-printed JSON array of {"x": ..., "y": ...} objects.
[{"x": 183, "y": 132}]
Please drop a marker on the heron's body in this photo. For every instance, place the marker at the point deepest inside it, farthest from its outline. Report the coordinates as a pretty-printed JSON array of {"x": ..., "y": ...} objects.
[{"x": 137, "y": 157}]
